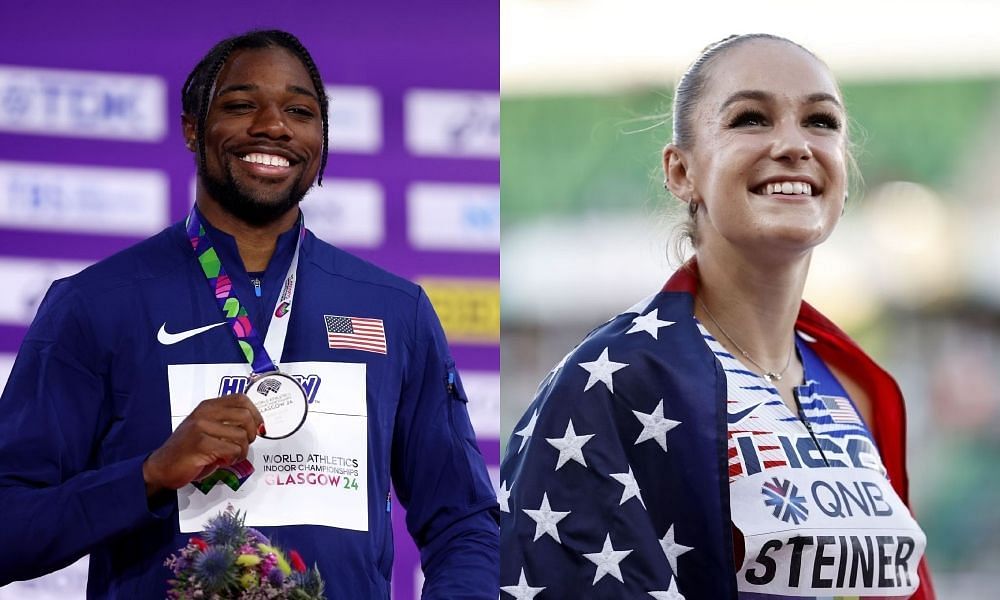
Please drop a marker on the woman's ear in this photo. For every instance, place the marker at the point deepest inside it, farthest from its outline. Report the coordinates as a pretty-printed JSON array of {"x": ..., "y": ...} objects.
[{"x": 677, "y": 173}]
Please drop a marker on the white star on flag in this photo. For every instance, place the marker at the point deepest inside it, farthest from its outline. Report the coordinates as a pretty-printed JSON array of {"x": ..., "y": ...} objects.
[
  {"x": 670, "y": 594},
  {"x": 654, "y": 426},
  {"x": 546, "y": 519},
  {"x": 528, "y": 430},
  {"x": 631, "y": 487},
  {"x": 570, "y": 446},
  {"x": 503, "y": 496},
  {"x": 522, "y": 591},
  {"x": 607, "y": 561},
  {"x": 672, "y": 549},
  {"x": 650, "y": 323},
  {"x": 601, "y": 370}
]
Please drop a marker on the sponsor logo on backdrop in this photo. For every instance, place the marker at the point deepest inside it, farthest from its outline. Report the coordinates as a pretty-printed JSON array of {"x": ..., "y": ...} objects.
[
  {"x": 25, "y": 282},
  {"x": 83, "y": 199},
  {"x": 469, "y": 309},
  {"x": 454, "y": 217},
  {"x": 455, "y": 123},
  {"x": 483, "y": 391},
  {"x": 347, "y": 212},
  {"x": 355, "y": 119},
  {"x": 82, "y": 104}
]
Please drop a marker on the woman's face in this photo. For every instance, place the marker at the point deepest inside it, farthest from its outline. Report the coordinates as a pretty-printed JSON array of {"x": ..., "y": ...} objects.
[{"x": 769, "y": 155}]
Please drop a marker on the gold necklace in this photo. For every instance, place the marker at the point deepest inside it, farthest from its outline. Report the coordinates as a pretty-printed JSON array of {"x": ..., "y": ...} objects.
[{"x": 770, "y": 376}]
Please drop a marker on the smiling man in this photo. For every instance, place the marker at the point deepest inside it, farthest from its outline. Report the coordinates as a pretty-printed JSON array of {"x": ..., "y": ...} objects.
[{"x": 234, "y": 360}]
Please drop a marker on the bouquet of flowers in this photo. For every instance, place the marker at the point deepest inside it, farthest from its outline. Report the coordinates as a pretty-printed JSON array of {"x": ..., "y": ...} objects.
[{"x": 233, "y": 561}]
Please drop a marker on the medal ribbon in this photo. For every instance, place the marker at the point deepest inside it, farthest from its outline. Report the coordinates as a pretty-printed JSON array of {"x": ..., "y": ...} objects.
[{"x": 258, "y": 355}]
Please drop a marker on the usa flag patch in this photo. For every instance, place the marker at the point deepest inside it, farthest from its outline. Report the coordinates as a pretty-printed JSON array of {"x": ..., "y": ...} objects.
[
  {"x": 355, "y": 333},
  {"x": 840, "y": 410}
]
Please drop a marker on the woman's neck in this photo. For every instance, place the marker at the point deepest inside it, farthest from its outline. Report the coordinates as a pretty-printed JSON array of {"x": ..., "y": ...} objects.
[{"x": 752, "y": 303}]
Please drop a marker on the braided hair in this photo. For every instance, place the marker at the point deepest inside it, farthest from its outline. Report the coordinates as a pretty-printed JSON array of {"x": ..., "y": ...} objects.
[{"x": 196, "y": 93}]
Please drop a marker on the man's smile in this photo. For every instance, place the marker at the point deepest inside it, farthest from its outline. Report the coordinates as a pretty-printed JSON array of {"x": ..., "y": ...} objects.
[
  {"x": 266, "y": 159},
  {"x": 265, "y": 165}
]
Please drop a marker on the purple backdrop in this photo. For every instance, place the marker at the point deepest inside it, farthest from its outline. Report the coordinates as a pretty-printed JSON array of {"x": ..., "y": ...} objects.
[{"x": 381, "y": 52}]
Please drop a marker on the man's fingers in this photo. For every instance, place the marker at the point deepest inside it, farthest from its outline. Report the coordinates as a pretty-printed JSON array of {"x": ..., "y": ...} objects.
[
  {"x": 242, "y": 401},
  {"x": 235, "y": 409},
  {"x": 257, "y": 419},
  {"x": 233, "y": 435},
  {"x": 239, "y": 417}
]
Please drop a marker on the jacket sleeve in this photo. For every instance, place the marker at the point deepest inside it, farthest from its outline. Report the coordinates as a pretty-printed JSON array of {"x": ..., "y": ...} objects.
[
  {"x": 59, "y": 499},
  {"x": 439, "y": 474}
]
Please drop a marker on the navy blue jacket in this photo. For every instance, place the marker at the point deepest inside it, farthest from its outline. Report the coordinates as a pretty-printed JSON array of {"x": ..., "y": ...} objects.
[{"x": 87, "y": 402}]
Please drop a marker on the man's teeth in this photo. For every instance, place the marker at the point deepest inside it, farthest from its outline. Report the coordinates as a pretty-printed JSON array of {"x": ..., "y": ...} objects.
[
  {"x": 788, "y": 187},
  {"x": 266, "y": 159}
]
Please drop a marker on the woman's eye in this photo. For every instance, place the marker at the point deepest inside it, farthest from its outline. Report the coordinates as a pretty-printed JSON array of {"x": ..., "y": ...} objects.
[
  {"x": 238, "y": 106},
  {"x": 749, "y": 118},
  {"x": 824, "y": 121},
  {"x": 301, "y": 111}
]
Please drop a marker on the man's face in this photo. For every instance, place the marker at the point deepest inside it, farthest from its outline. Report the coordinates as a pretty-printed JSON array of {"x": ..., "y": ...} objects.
[{"x": 263, "y": 135}]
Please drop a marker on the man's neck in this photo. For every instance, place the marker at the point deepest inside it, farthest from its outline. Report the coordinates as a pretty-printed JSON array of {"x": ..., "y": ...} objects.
[{"x": 255, "y": 243}]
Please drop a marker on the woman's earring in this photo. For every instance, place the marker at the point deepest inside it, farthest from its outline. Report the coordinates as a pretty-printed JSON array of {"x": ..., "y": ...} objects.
[{"x": 693, "y": 207}]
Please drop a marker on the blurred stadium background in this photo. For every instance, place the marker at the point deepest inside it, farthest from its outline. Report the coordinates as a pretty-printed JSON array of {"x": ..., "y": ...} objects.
[{"x": 912, "y": 271}]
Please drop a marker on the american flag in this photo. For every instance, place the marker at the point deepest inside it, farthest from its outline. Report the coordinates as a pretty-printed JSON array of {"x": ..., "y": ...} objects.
[
  {"x": 605, "y": 490},
  {"x": 355, "y": 333},
  {"x": 840, "y": 410}
]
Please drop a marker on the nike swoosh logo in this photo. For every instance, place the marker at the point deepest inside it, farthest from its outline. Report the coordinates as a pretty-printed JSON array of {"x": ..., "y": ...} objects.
[
  {"x": 738, "y": 416},
  {"x": 166, "y": 338}
]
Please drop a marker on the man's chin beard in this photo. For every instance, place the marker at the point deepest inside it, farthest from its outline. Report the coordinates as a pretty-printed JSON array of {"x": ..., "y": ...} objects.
[{"x": 245, "y": 206}]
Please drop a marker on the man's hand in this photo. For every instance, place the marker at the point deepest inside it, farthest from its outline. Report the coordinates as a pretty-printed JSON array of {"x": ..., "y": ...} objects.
[{"x": 217, "y": 433}]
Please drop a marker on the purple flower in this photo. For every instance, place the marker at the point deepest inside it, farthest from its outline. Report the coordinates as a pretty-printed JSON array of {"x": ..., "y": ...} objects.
[
  {"x": 255, "y": 537},
  {"x": 270, "y": 562},
  {"x": 276, "y": 578},
  {"x": 225, "y": 530},
  {"x": 214, "y": 569}
]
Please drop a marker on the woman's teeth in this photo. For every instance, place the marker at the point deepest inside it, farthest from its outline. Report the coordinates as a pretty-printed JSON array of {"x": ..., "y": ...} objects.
[{"x": 787, "y": 187}]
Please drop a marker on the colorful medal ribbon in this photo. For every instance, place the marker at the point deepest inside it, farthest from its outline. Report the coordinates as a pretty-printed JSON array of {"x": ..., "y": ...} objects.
[{"x": 257, "y": 354}]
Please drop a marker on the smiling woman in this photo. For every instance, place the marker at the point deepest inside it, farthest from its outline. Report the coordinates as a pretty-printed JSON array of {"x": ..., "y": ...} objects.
[
  {"x": 785, "y": 475},
  {"x": 772, "y": 131}
]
